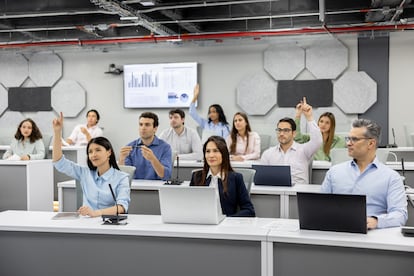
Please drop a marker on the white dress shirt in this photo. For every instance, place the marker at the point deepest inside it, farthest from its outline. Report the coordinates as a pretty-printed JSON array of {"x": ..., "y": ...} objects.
[
  {"x": 298, "y": 156},
  {"x": 187, "y": 144}
]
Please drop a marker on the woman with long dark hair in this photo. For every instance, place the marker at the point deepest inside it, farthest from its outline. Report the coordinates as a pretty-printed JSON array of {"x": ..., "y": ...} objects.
[
  {"x": 217, "y": 171},
  {"x": 326, "y": 124},
  {"x": 243, "y": 143},
  {"x": 27, "y": 143},
  {"x": 102, "y": 170},
  {"x": 216, "y": 122}
]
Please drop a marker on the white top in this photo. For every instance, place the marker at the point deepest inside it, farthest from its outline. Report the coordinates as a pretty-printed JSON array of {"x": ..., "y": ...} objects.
[
  {"x": 298, "y": 156},
  {"x": 79, "y": 139},
  {"x": 253, "y": 150},
  {"x": 187, "y": 145}
]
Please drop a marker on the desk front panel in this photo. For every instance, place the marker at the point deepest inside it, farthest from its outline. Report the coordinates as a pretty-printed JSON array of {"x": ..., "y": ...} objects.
[
  {"x": 13, "y": 187},
  {"x": 108, "y": 255},
  {"x": 304, "y": 259}
]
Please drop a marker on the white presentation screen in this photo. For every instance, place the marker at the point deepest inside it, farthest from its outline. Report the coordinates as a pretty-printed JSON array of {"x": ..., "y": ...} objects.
[{"x": 159, "y": 85}]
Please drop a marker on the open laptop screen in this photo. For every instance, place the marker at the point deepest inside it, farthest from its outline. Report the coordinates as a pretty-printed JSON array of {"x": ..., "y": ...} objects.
[
  {"x": 190, "y": 204},
  {"x": 332, "y": 212},
  {"x": 272, "y": 175}
]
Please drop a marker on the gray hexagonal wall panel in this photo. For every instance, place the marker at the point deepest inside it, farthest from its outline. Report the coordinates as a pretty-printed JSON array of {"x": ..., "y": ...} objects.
[
  {"x": 256, "y": 94},
  {"x": 4, "y": 99},
  {"x": 327, "y": 59},
  {"x": 13, "y": 69},
  {"x": 45, "y": 69},
  {"x": 284, "y": 62},
  {"x": 44, "y": 120},
  {"x": 355, "y": 92},
  {"x": 68, "y": 97}
]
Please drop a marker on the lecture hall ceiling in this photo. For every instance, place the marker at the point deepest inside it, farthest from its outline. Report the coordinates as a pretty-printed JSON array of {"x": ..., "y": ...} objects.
[{"x": 27, "y": 22}]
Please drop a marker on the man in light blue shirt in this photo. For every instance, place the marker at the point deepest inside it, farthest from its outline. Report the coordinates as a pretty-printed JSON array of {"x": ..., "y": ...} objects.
[
  {"x": 365, "y": 175},
  {"x": 150, "y": 156}
]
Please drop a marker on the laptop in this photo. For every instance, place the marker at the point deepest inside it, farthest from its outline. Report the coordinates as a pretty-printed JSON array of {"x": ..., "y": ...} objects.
[
  {"x": 272, "y": 175},
  {"x": 332, "y": 212},
  {"x": 190, "y": 204}
]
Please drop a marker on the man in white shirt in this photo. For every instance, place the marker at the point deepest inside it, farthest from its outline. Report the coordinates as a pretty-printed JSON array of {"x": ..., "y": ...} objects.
[
  {"x": 82, "y": 134},
  {"x": 288, "y": 152},
  {"x": 183, "y": 140}
]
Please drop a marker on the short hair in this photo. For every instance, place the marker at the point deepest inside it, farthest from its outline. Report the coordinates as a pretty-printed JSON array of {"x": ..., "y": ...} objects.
[
  {"x": 288, "y": 120},
  {"x": 373, "y": 130},
  {"x": 96, "y": 112},
  {"x": 177, "y": 111},
  {"x": 150, "y": 115}
]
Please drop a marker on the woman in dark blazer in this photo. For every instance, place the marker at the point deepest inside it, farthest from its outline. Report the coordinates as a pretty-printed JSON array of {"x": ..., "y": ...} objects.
[{"x": 217, "y": 171}]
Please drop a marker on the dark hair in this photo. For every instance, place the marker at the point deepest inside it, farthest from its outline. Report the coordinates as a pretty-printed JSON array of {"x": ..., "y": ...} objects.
[
  {"x": 219, "y": 110},
  {"x": 96, "y": 112},
  {"x": 177, "y": 111},
  {"x": 290, "y": 121},
  {"x": 104, "y": 142},
  {"x": 234, "y": 132},
  {"x": 373, "y": 129},
  {"x": 150, "y": 115},
  {"x": 225, "y": 157},
  {"x": 34, "y": 136},
  {"x": 328, "y": 143}
]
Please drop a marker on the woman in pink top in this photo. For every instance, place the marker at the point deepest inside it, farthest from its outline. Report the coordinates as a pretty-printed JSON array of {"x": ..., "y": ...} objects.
[{"x": 243, "y": 143}]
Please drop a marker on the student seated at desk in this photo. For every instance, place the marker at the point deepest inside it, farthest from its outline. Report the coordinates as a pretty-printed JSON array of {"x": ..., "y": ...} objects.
[
  {"x": 326, "y": 123},
  {"x": 150, "y": 155},
  {"x": 102, "y": 170},
  {"x": 365, "y": 175},
  {"x": 243, "y": 143},
  {"x": 27, "y": 143},
  {"x": 217, "y": 171},
  {"x": 82, "y": 134}
]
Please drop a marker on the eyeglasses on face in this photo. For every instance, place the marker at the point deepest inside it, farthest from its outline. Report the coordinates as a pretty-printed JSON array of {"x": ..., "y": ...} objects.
[
  {"x": 352, "y": 140},
  {"x": 284, "y": 130}
]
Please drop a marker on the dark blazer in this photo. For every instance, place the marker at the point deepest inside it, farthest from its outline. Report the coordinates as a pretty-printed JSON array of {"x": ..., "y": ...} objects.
[{"x": 236, "y": 202}]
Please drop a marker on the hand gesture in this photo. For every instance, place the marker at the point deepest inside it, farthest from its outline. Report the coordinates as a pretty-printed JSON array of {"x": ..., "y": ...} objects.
[
  {"x": 124, "y": 153},
  {"x": 196, "y": 92},
  {"x": 84, "y": 131},
  {"x": 307, "y": 110},
  {"x": 298, "y": 110},
  {"x": 147, "y": 153},
  {"x": 57, "y": 123}
]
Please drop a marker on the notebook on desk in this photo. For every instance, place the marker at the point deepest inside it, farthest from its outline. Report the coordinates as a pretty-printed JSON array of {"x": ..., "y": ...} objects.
[
  {"x": 332, "y": 212},
  {"x": 272, "y": 175},
  {"x": 190, "y": 204}
]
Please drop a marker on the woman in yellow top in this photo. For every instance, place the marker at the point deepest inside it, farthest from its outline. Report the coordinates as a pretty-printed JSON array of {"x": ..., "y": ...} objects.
[{"x": 326, "y": 123}]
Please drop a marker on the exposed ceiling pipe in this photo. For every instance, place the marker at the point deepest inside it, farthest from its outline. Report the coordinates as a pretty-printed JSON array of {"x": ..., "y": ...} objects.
[
  {"x": 50, "y": 14},
  {"x": 212, "y": 36}
]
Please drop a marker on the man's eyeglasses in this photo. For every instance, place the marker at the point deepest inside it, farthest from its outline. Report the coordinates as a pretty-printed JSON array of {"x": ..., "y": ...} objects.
[
  {"x": 353, "y": 140},
  {"x": 284, "y": 130}
]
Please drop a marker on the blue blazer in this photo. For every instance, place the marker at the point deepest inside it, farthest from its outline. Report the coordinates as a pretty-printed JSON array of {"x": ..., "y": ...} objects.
[{"x": 236, "y": 202}]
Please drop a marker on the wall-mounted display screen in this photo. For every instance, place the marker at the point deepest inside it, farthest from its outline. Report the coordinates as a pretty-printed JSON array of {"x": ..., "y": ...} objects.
[{"x": 159, "y": 85}]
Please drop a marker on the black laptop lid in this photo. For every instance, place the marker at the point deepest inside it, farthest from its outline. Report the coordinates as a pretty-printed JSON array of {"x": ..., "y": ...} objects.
[
  {"x": 272, "y": 175},
  {"x": 332, "y": 212}
]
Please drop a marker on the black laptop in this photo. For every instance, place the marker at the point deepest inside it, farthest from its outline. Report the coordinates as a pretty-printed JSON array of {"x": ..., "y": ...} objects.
[
  {"x": 272, "y": 175},
  {"x": 332, "y": 212}
]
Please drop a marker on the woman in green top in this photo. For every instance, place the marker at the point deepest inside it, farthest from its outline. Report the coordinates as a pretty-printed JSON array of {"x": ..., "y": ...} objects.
[{"x": 326, "y": 123}]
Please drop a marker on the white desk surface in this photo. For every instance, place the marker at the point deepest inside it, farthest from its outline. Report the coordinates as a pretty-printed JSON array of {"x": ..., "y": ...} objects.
[
  {"x": 287, "y": 231},
  {"x": 199, "y": 164},
  {"x": 253, "y": 229},
  {"x": 279, "y": 190},
  {"x": 23, "y": 163}
]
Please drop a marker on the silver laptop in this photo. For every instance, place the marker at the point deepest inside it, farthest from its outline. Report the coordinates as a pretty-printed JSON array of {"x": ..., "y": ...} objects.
[{"x": 190, "y": 204}]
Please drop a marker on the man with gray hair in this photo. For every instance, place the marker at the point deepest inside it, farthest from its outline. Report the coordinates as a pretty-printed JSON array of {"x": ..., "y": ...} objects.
[{"x": 383, "y": 187}]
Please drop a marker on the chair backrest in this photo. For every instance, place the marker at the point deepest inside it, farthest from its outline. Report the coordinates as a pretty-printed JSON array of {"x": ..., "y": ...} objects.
[
  {"x": 248, "y": 176},
  {"x": 130, "y": 170},
  {"x": 339, "y": 155},
  {"x": 384, "y": 153},
  {"x": 264, "y": 142}
]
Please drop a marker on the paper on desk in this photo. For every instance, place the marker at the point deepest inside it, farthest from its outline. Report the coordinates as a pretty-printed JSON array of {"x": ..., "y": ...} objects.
[
  {"x": 283, "y": 225},
  {"x": 66, "y": 215},
  {"x": 14, "y": 157}
]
